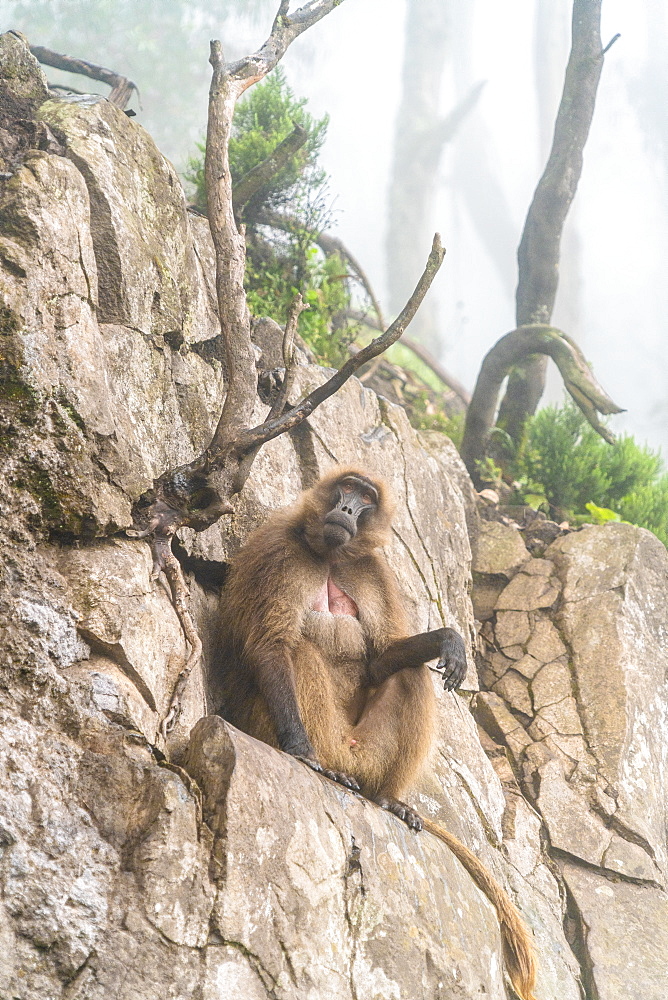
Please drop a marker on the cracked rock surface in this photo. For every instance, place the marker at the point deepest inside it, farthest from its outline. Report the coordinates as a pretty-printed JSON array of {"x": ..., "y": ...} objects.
[
  {"x": 576, "y": 663},
  {"x": 215, "y": 867}
]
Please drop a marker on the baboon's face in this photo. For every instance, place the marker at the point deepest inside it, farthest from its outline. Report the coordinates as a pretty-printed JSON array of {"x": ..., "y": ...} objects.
[{"x": 353, "y": 499}]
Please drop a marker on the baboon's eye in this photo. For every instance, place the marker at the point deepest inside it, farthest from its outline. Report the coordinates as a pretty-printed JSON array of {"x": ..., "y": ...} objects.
[{"x": 367, "y": 498}]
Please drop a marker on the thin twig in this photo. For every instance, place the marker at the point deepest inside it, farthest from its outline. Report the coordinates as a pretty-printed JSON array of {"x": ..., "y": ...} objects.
[
  {"x": 611, "y": 43},
  {"x": 289, "y": 359}
]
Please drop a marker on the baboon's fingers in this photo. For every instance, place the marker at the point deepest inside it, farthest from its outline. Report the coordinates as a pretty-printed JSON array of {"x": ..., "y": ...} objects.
[
  {"x": 400, "y": 809},
  {"x": 338, "y": 776},
  {"x": 453, "y": 671},
  {"x": 341, "y": 778},
  {"x": 452, "y": 661}
]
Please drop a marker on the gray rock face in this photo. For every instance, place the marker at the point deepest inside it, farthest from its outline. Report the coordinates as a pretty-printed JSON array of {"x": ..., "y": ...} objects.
[
  {"x": 214, "y": 866},
  {"x": 586, "y": 733}
]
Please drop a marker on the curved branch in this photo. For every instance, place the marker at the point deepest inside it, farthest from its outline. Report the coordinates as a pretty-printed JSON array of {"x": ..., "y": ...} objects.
[
  {"x": 512, "y": 350},
  {"x": 121, "y": 87},
  {"x": 285, "y": 29},
  {"x": 538, "y": 253}
]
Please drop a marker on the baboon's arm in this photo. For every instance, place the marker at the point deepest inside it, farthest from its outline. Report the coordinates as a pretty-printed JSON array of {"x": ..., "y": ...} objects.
[{"x": 444, "y": 643}]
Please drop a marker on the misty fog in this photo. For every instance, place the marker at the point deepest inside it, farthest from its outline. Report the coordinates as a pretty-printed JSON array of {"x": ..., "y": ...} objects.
[{"x": 613, "y": 296}]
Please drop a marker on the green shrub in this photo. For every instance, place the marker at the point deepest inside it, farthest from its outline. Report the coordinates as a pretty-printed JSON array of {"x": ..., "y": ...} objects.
[
  {"x": 566, "y": 461},
  {"x": 271, "y": 290},
  {"x": 262, "y": 120},
  {"x": 280, "y": 263}
]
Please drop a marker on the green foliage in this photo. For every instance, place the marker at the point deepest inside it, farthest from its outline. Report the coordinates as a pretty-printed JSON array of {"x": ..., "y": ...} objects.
[
  {"x": 262, "y": 120},
  {"x": 271, "y": 291},
  {"x": 583, "y": 478},
  {"x": 603, "y": 515},
  {"x": 283, "y": 263}
]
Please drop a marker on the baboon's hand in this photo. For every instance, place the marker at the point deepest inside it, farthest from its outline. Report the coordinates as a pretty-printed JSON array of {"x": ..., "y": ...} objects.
[
  {"x": 452, "y": 661},
  {"x": 338, "y": 776}
]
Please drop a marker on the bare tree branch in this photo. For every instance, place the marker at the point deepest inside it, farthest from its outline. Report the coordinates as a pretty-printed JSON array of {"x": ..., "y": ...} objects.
[
  {"x": 510, "y": 351},
  {"x": 272, "y": 428},
  {"x": 285, "y": 29},
  {"x": 121, "y": 87},
  {"x": 197, "y": 494},
  {"x": 538, "y": 253},
  {"x": 228, "y": 83},
  {"x": 289, "y": 359},
  {"x": 256, "y": 179},
  {"x": 230, "y": 248}
]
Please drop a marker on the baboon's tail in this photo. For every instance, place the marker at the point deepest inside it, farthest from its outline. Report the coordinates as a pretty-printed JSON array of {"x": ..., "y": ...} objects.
[{"x": 518, "y": 949}]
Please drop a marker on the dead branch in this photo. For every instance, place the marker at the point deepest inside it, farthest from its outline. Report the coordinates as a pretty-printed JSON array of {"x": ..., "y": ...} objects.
[
  {"x": 197, "y": 494},
  {"x": 256, "y": 179},
  {"x": 121, "y": 87},
  {"x": 289, "y": 359},
  {"x": 228, "y": 82},
  {"x": 538, "y": 253},
  {"x": 512, "y": 350}
]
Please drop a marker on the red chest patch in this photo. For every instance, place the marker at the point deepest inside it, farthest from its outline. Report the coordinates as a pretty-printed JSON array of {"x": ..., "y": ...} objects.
[{"x": 331, "y": 598}]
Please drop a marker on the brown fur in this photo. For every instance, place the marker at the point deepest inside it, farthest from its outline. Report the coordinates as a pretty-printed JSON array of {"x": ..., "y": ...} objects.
[{"x": 282, "y": 660}]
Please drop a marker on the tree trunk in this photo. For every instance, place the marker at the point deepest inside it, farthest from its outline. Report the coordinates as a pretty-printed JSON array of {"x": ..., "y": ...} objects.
[{"x": 538, "y": 253}]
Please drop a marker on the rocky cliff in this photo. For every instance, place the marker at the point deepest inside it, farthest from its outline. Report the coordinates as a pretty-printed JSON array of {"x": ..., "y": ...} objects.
[{"x": 215, "y": 867}]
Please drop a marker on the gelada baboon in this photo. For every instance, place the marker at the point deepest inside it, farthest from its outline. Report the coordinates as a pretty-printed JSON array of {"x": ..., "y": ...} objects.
[{"x": 318, "y": 660}]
